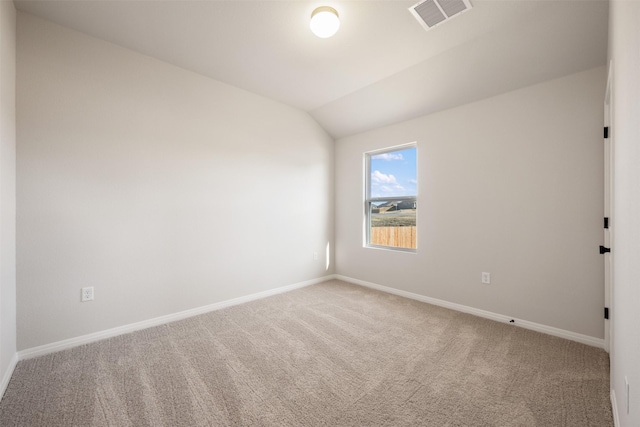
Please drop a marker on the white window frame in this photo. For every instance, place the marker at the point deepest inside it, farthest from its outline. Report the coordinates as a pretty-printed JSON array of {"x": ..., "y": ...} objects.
[{"x": 368, "y": 200}]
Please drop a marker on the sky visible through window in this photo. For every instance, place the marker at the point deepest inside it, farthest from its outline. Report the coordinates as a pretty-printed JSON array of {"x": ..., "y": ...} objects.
[{"x": 393, "y": 173}]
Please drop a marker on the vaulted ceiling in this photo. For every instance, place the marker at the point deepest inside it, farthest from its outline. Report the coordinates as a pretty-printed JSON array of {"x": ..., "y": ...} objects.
[{"x": 380, "y": 68}]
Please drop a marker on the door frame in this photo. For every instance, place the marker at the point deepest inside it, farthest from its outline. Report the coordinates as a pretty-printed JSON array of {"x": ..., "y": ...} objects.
[{"x": 608, "y": 208}]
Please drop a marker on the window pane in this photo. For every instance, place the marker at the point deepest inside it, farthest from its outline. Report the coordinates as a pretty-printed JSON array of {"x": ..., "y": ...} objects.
[
  {"x": 391, "y": 199},
  {"x": 393, "y": 173},
  {"x": 393, "y": 223}
]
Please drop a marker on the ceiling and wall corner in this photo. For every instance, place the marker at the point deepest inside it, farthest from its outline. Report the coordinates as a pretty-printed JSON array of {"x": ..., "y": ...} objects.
[{"x": 380, "y": 68}]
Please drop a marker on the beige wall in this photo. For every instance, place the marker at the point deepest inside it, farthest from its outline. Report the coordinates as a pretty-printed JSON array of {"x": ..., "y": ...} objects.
[
  {"x": 511, "y": 185},
  {"x": 163, "y": 189},
  {"x": 7, "y": 190},
  {"x": 624, "y": 51}
]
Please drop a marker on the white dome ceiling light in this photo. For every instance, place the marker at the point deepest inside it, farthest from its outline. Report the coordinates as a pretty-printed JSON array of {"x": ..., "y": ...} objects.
[{"x": 324, "y": 22}]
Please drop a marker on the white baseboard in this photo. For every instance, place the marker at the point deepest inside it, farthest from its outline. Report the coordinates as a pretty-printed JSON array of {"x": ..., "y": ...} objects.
[
  {"x": 614, "y": 409},
  {"x": 97, "y": 336},
  {"x": 549, "y": 330},
  {"x": 86, "y": 339},
  {"x": 7, "y": 375}
]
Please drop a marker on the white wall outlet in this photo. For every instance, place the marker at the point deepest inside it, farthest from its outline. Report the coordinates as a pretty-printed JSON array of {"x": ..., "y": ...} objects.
[
  {"x": 315, "y": 256},
  {"x": 486, "y": 278},
  {"x": 87, "y": 294}
]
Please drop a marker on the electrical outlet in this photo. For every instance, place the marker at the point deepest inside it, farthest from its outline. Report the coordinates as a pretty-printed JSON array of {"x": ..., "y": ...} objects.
[
  {"x": 486, "y": 278},
  {"x": 315, "y": 256},
  {"x": 87, "y": 294}
]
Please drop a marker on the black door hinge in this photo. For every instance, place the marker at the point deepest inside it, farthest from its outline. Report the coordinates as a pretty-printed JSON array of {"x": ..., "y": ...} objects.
[
  {"x": 606, "y": 222},
  {"x": 606, "y": 312},
  {"x": 604, "y": 250},
  {"x": 606, "y": 132}
]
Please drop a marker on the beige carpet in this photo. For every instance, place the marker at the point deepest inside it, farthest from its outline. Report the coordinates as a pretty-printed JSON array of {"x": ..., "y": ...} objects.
[{"x": 332, "y": 354}]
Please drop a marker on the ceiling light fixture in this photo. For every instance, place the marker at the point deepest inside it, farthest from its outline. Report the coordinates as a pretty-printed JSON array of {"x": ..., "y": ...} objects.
[{"x": 324, "y": 22}]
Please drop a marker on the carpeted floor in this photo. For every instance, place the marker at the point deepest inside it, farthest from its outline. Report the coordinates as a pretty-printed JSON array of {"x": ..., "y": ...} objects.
[{"x": 332, "y": 354}]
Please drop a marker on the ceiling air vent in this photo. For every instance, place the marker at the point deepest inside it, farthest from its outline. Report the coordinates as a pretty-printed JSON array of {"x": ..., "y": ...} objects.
[{"x": 434, "y": 12}]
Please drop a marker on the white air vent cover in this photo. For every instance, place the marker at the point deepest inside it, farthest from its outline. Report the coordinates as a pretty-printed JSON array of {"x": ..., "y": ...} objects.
[{"x": 431, "y": 13}]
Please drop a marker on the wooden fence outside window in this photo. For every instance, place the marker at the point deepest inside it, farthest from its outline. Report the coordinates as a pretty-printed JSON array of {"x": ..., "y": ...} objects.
[{"x": 398, "y": 237}]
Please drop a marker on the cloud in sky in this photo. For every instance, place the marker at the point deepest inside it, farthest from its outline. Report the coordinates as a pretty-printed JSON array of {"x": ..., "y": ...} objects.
[
  {"x": 380, "y": 178},
  {"x": 388, "y": 156},
  {"x": 395, "y": 189},
  {"x": 383, "y": 184},
  {"x": 393, "y": 174}
]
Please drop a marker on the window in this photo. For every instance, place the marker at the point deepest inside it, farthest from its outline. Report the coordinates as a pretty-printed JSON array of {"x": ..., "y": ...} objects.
[{"x": 391, "y": 198}]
